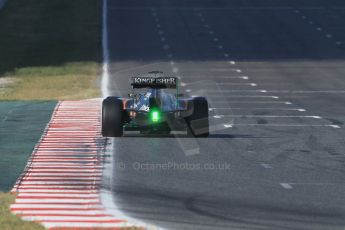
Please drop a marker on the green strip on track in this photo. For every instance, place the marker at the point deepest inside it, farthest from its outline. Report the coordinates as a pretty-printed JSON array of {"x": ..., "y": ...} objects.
[{"x": 21, "y": 126}]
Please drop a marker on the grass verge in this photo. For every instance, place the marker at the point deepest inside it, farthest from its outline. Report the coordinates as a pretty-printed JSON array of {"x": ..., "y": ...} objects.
[
  {"x": 50, "y": 49},
  {"x": 8, "y": 221}
]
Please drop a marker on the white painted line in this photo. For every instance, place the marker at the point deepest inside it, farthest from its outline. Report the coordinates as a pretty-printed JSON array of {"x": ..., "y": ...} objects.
[
  {"x": 54, "y": 206},
  {"x": 266, "y": 166},
  {"x": 86, "y": 224},
  {"x": 238, "y": 71},
  {"x": 232, "y": 62},
  {"x": 335, "y": 126},
  {"x": 287, "y": 125},
  {"x": 58, "y": 191},
  {"x": 61, "y": 201},
  {"x": 60, "y": 212},
  {"x": 243, "y": 96},
  {"x": 68, "y": 218},
  {"x": 286, "y": 185},
  {"x": 338, "y": 43},
  {"x": 319, "y": 28},
  {"x": 250, "y": 108},
  {"x": 43, "y": 195},
  {"x": 55, "y": 183},
  {"x": 227, "y": 125},
  {"x": 266, "y": 116},
  {"x": 105, "y": 67},
  {"x": 329, "y": 36},
  {"x": 252, "y": 102}
]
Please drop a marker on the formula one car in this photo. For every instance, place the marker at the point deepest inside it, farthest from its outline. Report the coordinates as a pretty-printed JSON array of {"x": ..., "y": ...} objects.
[{"x": 154, "y": 110}]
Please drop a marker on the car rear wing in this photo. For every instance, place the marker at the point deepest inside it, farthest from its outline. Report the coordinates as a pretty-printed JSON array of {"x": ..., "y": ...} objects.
[{"x": 154, "y": 82}]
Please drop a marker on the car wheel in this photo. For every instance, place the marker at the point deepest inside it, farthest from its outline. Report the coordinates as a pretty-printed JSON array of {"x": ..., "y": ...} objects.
[
  {"x": 197, "y": 122},
  {"x": 112, "y": 111}
]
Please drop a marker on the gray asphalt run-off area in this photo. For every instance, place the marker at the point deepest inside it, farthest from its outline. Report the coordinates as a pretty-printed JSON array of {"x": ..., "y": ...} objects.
[
  {"x": 273, "y": 72},
  {"x": 2, "y": 3}
]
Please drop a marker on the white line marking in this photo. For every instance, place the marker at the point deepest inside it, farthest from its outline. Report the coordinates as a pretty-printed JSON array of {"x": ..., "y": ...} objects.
[
  {"x": 250, "y": 102},
  {"x": 86, "y": 224},
  {"x": 232, "y": 62},
  {"x": 42, "y": 195},
  {"x": 319, "y": 28},
  {"x": 338, "y": 43},
  {"x": 105, "y": 72},
  {"x": 61, "y": 201},
  {"x": 244, "y": 96},
  {"x": 250, "y": 108},
  {"x": 287, "y": 125},
  {"x": 68, "y": 218},
  {"x": 329, "y": 35},
  {"x": 227, "y": 125},
  {"x": 61, "y": 212},
  {"x": 286, "y": 185},
  {"x": 166, "y": 47},
  {"x": 265, "y": 116},
  {"x": 266, "y": 166}
]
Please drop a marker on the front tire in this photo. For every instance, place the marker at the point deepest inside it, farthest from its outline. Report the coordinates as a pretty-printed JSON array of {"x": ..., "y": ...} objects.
[
  {"x": 112, "y": 122},
  {"x": 197, "y": 123}
]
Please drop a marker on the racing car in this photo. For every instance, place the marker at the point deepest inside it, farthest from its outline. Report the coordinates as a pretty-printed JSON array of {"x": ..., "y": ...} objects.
[{"x": 154, "y": 110}]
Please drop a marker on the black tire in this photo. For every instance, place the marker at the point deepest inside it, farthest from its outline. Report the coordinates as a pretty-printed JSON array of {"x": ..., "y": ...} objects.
[
  {"x": 197, "y": 123},
  {"x": 112, "y": 112}
]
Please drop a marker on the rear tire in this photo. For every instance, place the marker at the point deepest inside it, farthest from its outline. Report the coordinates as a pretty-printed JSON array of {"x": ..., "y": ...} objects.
[
  {"x": 112, "y": 122},
  {"x": 197, "y": 123}
]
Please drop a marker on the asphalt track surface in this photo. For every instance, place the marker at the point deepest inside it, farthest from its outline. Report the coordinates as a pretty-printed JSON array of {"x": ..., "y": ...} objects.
[
  {"x": 279, "y": 65},
  {"x": 2, "y": 3}
]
